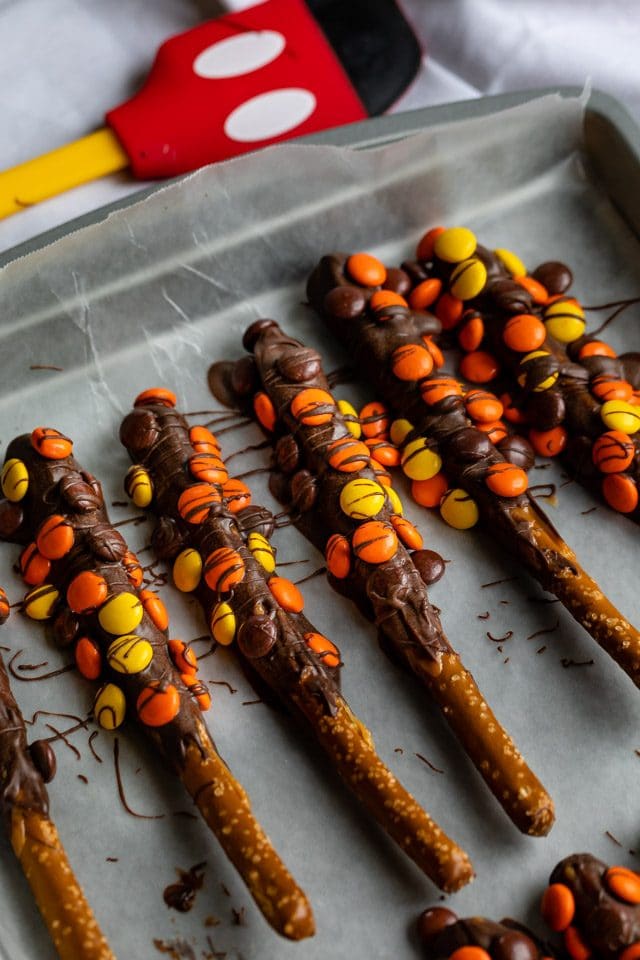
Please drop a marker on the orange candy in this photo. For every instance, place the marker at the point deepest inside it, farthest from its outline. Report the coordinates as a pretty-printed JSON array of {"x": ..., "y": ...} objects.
[
  {"x": 436, "y": 353},
  {"x": 596, "y": 348},
  {"x": 5, "y": 607},
  {"x": 437, "y": 388},
  {"x": 386, "y": 298},
  {"x": 366, "y": 270},
  {"x": 381, "y": 474},
  {"x": 623, "y": 884},
  {"x": 429, "y": 493},
  {"x": 479, "y": 367},
  {"x": 425, "y": 294},
  {"x": 51, "y": 443},
  {"x": 548, "y": 443},
  {"x": 208, "y": 467},
  {"x": 605, "y": 387},
  {"x": 158, "y": 705},
  {"x": 374, "y": 419},
  {"x": 33, "y": 566},
  {"x": 133, "y": 568},
  {"x": 449, "y": 311},
  {"x": 183, "y": 656},
  {"x": 512, "y": 413},
  {"x": 87, "y": 591},
  {"x": 620, "y": 492},
  {"x": 424, "y": 250},
  {"x": 374, "y": 541},
  {"x": 197, "y": 689},
  {"x": 631, "y": 953},
  {"x": 558, "y": 906},
  {"x": 483, "y": 406},
  {"x": 287, "y": 594},
  {"x": 524, "y": 333},
  {"x": 223, "y": 569},
  {"x": 160, "y": 395},
  {"x": 613, "y": 451},
  {"x": 313, "y": 407},
  {"x": 88, "y": 658},
  {"x": 495, "y": 430},
  {"x": 538, "y": 293},
  {"x": 471, "y": 334},
  {"x": 195, "y": 502},
  {"x": 410, "y": 535},
  {"x": 506, "y": 479},
  {"x": 338, "y": 556},
  {"x": 203, "y": 441},
  {"x": 265, "y": 411},
  {"x": 575, "y": 945},
  {"x": 324, "y": 649},
  {"x": 383, "y": 452},
  {"x": 411, "y": 362},
  {"x": 55, "y": 537},
  {"x": 470, "y": 953},
  {"x": 347, "y": 454},
  {"x": 236, "y": 494},
  {"x": 154, "y": 609}
]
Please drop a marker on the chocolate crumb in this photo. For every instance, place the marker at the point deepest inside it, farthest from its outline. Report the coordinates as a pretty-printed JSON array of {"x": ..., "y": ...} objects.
[
  {"x": 225, "y": 889},
  {"x": 611, "y": 837},
  {"x": 494, "y": 583},
  {"x": 176, "y": 949},
  {"x": 119, "y": 503},
  {"x": 181, "y": 896},
  {"x": 431, "y": 766},
  {"x": 112, "y": 859},
  {"x": 544, "y": 599},
  {"x": 238, "y": 916},
  {"x": 566, "y": 662},
  {"x": 220, "y": 683},
  {"x": 507, "y": 636},
  {"x": 91, "y": 746},
  {"x": 506, "y": 659},
  {"x": 500, "y": 648},
  {"x": 249, "y": 703},
  {"x": 585, "y": 513},
  {"x": 82, "y": 777},
  {"x": 505, "y": 603},
  {"x": 400, "y": 750},
  {"x": 637, "y": 753},
  {"x": 484, "y": 616},
  {"x": 541, "y": 649},
  {"x": 540, "y": 633}
]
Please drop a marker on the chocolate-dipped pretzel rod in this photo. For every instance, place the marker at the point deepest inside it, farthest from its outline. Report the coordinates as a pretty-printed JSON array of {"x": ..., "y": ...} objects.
[
  {"x": 323, "y": 471},
  {"x": 24, "y": 804},
  {"x": 84, "y": 577},
  {"x": 392, "y": 349},
  {"x": 219, "y": 544}
]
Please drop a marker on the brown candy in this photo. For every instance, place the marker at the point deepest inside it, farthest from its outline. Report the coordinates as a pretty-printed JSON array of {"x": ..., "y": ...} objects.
[
  {"x": 301, "y": 366},
  {"x": 79, "y": 494},
  {"x": 554, "y": 276},
  {"x": 107, "y": 543},
  {"x": 432, "y": 921},
  {"x": 256, "y": 636},
  {"x": 44, "y": 759},
  {"x": 65, "y": 628},
  {"x": 397, "y": 280},
  {"x": 511, "y": 297},
  {"x": 304, "y": 490},
  {"x": 545, "y": 410},
  {"x": 345, "y": 303},
  {"x": 517, "y": 450},
  {"x": 139, "y": 430},
  {"x": 514, "y": 945},
  {"x": 287, "y": 454},
  {"x": 256, "y": 519},
  {"x": 429, "y": 565}
]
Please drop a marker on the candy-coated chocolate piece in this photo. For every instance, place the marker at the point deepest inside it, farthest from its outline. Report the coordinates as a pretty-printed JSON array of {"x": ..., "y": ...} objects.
[
  {"x": 536, "y": 290},
  {"x": 437, "y": 388},
  {"x": 564, "y": 320},
  {"x": 459, "y": 510},
  {"x": 139, "y": 486},
  {"x": 154, "y": 609},
  {"x": 383, "y": 451},
  {"x": 88, "y": 658},
  {"x": 511, "y": 262},
  {"x": 350, "y": 416},
  {"x": 374, "y": 541},
  {"x": 287, "y": 594},
  {"x": 362, "y": 498},
  {"x": 613, "y": 451},
  {"x": 506, "y": 479},
  {"x": 323, "y": 648},
  {"x": 479, "y": 367},
  {"x": 208, "y": 467},
  {"x": 187, "y": 570},
  {"x": 449, "y": 310},
  {"x": 338, "y": 556},
  {"x": 313, "y": 407},
  {"x": 348, "y": 454},
  {"x": 399, "y": 431},
  {"x": 575, "y": 945},
  {"x": 257, "y": 635},
  {"x": 183, "y": 656},
  {"x": 419, "y": 461},
  {"x": 429, "y": 493},
  {"x": 470, "y": 953},
  {"x": 433, "y": 921},
  {"x": 482, "y": 406},
  {"x": 110, "y": 706},
  {"x": 203, "y": 441},
  {"x": 631, "y": 953},
  {"x": 623, "y": 884},
  {"x": 621, "y": 492},
  {"x": 223, "y": 569},
  {"x": 429, "y": 565},
  {"x": 524, "y": 333},
  {"x": 510, "y": 412},
  {"x": 33, "y": 566},
  {"x": 159, "y": 395},
  {"x": 596, "y": 348},
  {"x": 262, "y": 551},
  {"x": 14, "y": 480},
  {"x": 394, "y": 500},
  {"x": 236, "y": 495},
  {"x": 51, "y": 443},
  {"x": 374, "y": 419},
  {"x": 410, "y": 535},
  {"x": 87, "y": 591},
  {"x": 620, "y": 415},
  {"x": 411, "y": 362},
  {"x": 424, "y": 250},
  {"x": 518, "y": 450},
  {"x": 548, "y": 443},
  {"x": 129, "y": 654},
  {"x": 158, "y": 704},
  {"x": 55, "y": 537},
  {"x": 366, "y": 269},
  {"x": 195, "y": 502},
  {"x": 121, "y": 613},
  {"x": 425, "y": 294},
  {"x": 435, "y": 351},
  {"x": 558, "y": 907},
  {"x": 265, "y": 411},
  {"x": 386, "y": 298},
  {"x": 5, "y": 607},
  {"x": 546, "y": 382},
  {"x": 40, "y": 603},
  {"x": 198, "y": 690},
  {"x": 223, "y": 624},
  {"x": 495, "y": 430},
  {"x": 133, "y": 568},
  {"x": 605, "y": 387},
  {"x": 381, "y": 474},
  {"x": 468, "y": 279},
  {"x": 455, "y": 244},
  {"x": 471, "y": 332}
]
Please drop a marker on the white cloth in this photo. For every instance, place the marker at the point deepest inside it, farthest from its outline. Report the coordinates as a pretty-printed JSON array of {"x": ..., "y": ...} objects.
[{"x": 64, "y": 63}]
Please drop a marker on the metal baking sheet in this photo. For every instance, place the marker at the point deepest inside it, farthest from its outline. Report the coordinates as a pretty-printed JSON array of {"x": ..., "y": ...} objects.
[{"x": 152, "y": 294}]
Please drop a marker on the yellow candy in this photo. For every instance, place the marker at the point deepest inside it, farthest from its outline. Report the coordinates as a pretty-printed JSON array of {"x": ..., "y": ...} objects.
[
  {"x": 564, "y": 320},
  {"x": 362, "y": 499},
  {"x": 262, "y": 551},
  {"x": 187, "y": 570},
  {"x": 399, "y": 430},
  {"x": 511, "y": 262},
  {"x": 109, "y": 706},
  {"x": 545, "y": 384},
  {"x": 620, "y": 415},
  {"x": 455, "y": 244},
  {"x": 419, "y": 462},
  {"x": 468, "y": 279},
  {"x": 395, "y": 501},
  {"x": 40, "y": 603},
  {"x": 138, "y": 486},
  {"x": 121, "y": 614},
  {"x": 459, "y": 510},
  {"x": 223, "y": 624},
  {"x": 14, "y": 479},
  {"x": 350, "y": 415},
  {"x": 130, "y": 654}
]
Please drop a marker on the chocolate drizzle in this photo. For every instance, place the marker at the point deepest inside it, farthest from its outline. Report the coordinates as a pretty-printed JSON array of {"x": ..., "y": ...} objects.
[{"x": 21, "y": 779}]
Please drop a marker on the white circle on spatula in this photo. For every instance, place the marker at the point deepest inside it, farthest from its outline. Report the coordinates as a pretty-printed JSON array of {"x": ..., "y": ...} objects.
[
  {"x": 269, "y": 114},
  {"x": 240, "y": 54}
]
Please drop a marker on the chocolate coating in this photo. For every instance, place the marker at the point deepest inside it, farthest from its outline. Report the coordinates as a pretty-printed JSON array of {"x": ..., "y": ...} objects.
[
  {"x": 242, "y": 375},
  {"x": 301, "y": 367},
  {"x": 256, "y": 636},
  {"x": 546, "y": 409},
  {"x": 256, "y": 519},
  {"x": 304, "y": 490},
  {"x": 518, "y": 450},
  {"x": 287, "y": 454}
]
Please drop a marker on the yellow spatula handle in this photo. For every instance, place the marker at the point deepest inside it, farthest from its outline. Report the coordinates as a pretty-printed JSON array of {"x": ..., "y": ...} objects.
[{"x": 52, "y": 173}]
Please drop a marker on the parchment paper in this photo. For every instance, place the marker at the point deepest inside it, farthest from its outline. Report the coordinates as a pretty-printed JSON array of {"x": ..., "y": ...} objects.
[{"x": 152, "y": 296}]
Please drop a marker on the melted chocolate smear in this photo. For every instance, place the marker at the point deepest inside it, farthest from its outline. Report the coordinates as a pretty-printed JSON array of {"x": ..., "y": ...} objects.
[
  {"x": 341, "y": 375},
  {"x": 216, "y": 954},
  {"x": 136, "y": 521},
  {"x": 544, "y": 599},
  {"x": 238, "y": 916},
  {"x": 43, "y": 676},
  {"x": 252, "y": 473},
  {"x": 494, "y": 583},
  {"x": 540, "y": 633},
  {"x": 507, "y": 636},
  {"x": 185, "y": 814},
  {"x": 431, "y": 766},
  {"x": 398, "y": 750},
  {"x": 121, "y": 794},
  {"x": 181, "y": 896},
  {"x": 91, "y": 746},
  {"x": 566, "y": 663},
  {"x": 33, "y": 666}
]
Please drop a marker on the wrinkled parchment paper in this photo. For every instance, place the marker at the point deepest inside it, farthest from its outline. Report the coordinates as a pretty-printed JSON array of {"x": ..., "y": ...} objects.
[{"x": 152, "y": 296}]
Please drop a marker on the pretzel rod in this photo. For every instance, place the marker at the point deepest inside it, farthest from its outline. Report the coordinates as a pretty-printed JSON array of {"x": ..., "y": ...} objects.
[
  {"x": 320, "y": 468},
  {"x": 219, "y": 544},
  {"x": 25, "y": 807},
  {"x": 441, "y": 434},
  {"x": 83, "y": 575}
]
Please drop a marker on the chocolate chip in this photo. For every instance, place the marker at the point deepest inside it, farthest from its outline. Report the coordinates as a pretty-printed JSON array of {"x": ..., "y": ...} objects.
[
  {"x": 345, "y": 302},
  {"x": 287, "y": 454},
  {"x": 514, "y": 946},
  {"x": 398, "y": 281},
  {"x": 139, "y": 430},
  {"x": 432, "y": 921},
  {"x": 554, "y": 276},
  {"x": 300, "y": 366},
  {"x": 44, "y": 759},
  {"x": 518, "y": 450},
  {"x": 256, "y": 636},
  {"x": 429, "y": 565},
  {"x": 254, "y": 331}
]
